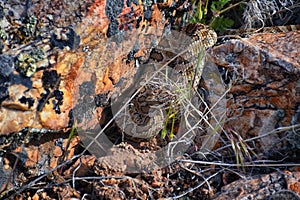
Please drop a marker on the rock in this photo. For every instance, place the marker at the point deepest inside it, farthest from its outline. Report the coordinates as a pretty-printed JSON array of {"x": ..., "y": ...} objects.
[
  {"x": 261, "y": 187},
  {"x": 264, "y": 76},
  {"x": 37, "y": 89}
]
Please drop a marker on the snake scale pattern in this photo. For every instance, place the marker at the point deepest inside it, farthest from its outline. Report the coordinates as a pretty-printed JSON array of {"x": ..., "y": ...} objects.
[{"x": 175, "y": 64}]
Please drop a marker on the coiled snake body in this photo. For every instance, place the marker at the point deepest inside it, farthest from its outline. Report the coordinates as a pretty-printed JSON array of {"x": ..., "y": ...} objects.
[{"x": 173, "y": 69}]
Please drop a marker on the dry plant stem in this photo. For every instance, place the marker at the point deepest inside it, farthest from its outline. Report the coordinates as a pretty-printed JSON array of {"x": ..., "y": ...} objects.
[
  {"x": 261, "y": 10},
  {"x": 15, "y": 165},
  {"x": 125, "y": 105},
  {"x": 74, "y": 172},
  {"x": 275, "y": 131},
  {"x": 185, "y": 135},
  {"x": 246, "y": 164},
  {"x": 100, "y": 179},
  {"x": 234, "y": 172},
  {"x": 201, "y": 113},
  {"x": 196, "y": 173},
  {"x": 203, "y": 117},
  {"x": 97, "y": 178},
  {"x": 194, "y": 188},
  {"x": 287, "y": 8},
  {"x": 46, "y": 174},
  {"x": 230, "y": 36},
  {"x": 230, "y": 7}
]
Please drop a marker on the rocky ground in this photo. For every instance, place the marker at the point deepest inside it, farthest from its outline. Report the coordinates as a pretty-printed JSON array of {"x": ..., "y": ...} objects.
[{"x": 53, "y": 50}]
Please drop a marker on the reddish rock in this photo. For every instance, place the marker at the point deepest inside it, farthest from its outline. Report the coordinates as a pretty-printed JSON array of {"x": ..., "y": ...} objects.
[
  {"x": 258, "y": 187},
  {"x": 264, "y": 89},
  {"x": 76, "y": 66}
]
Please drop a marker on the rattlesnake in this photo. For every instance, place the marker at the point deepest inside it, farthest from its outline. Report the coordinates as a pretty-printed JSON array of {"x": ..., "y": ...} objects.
[{"x": 157, "y": 87}]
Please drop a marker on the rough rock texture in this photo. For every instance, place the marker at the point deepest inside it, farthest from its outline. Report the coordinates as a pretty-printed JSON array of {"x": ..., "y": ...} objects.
[
  {"x": 262, "y": 187},
  {"x": 42, "y": 97},
  {"x": 264, "y": 76}
]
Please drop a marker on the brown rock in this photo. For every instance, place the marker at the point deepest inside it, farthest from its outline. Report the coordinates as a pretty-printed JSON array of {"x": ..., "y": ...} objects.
[
  {"x": 258, "y": 187},
  {"x": 264, "y": 91},
  {"x": 13, "y": 120},
  {"x": 75, "y": 66}
]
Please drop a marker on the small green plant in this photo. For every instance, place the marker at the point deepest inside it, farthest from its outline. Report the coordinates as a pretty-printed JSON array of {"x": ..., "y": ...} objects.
[
  {"x": 171, "y": 116},
  {"x": 72, "y": 134},
  {"x": 184, "y": 96},
  {"x": 218, "y": 22},
  {"x": 221, "y": 23}
]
